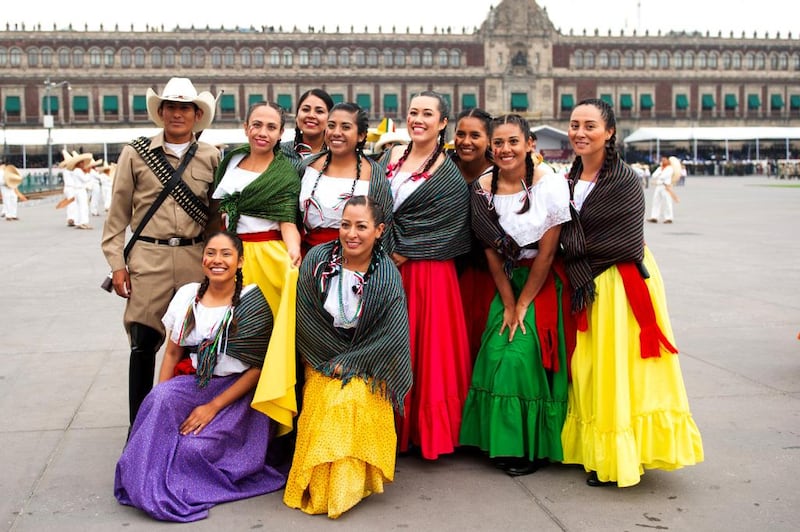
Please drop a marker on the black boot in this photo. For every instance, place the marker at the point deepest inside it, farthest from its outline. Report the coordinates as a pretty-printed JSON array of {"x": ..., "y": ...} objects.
[{"x": 145, "y": 341}]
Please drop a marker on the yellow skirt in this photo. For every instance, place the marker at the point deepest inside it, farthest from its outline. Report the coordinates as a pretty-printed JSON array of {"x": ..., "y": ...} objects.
[
  {"x": 268, "y": 265},
  {"x": 625, "y": 413},
  {"x": 346, "y": 446}
]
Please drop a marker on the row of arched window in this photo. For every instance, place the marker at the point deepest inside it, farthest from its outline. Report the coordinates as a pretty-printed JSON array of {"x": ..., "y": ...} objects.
[
  {"x": 197, "y": 57},
  {"x": 588, "y": 59}
]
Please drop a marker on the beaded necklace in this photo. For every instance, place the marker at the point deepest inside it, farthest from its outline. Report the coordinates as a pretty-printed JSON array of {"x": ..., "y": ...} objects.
[
  {"x": 313, "y": 201},
  {"x": 342, "y": 315}
]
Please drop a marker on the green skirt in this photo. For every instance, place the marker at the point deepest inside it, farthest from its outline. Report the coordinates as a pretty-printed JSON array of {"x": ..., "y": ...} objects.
[{"x": 516, "y": 407}]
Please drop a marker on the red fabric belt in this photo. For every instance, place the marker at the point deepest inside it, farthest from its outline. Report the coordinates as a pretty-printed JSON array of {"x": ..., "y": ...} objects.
[
  {"x": 318, "y": 236},
  {"x": 651, "y": 336},
  {"x": 263, "y": 236}
]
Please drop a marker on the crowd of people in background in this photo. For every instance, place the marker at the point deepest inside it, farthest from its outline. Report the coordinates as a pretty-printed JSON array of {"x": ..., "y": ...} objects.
[{"x": 324, "y": 309}]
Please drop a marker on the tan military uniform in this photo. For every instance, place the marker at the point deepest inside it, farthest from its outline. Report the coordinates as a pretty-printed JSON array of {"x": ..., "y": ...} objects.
[{"x": 156, "y": 270}]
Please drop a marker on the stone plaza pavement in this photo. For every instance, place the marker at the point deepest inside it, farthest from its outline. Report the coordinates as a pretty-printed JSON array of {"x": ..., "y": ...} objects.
[{"x": 730, "y": 263}]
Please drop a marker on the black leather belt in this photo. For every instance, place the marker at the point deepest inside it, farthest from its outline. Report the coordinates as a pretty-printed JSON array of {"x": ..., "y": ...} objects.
[{"x": 172, "y": 242}]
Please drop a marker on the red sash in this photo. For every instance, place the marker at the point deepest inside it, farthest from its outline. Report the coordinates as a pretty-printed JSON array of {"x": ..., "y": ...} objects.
[
  {"x": 651, "y": 337},
  {"x": 316, "y": 236},
  {"x": 263, "y": 236}
]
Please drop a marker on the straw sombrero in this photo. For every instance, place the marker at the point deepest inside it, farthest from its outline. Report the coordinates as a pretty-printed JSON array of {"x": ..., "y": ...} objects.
[
  {"x": 398, "y": 137},
  {"x": 182, "y": 90},
  {"x": 12, "y": 176},
  {"x": 72, "y": 160}
]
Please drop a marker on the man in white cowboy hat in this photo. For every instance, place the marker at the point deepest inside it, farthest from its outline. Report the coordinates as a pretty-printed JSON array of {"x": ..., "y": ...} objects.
[
  {"x": 70, "y": 187},
  {"x": 10, "y": 180},
  {"x": 76, "y": 178},
  {"x": 168, "y": 252}
]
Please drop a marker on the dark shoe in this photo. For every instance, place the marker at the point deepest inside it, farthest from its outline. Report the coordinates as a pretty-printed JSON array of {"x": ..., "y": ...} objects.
[
  {"x": 667, "y": 221},
  {"x": 517, "y": 467},
  {"x": 595, "y": 482},
  {"x": 652, "y": 220}
]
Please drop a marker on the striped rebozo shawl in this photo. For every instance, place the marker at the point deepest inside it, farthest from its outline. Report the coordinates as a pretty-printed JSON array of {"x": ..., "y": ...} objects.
[
  {"x": 609, "y": 229},
  {"x": 487, "y": 228},
  {"x": 379, "y": 190},
  {"x": 433, "y": 222},
  {"x": 378, "y": 349},
  {"x": 246, "y": 341},
  {"x": 273, "y": 195}
]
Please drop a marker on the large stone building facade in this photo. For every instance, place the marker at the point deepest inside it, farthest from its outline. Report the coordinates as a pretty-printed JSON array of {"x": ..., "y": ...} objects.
[{"x": 515, "y": 61}]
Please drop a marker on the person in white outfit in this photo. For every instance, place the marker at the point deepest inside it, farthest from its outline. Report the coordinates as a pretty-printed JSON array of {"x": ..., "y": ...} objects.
[
  {"x": 77, "y": 182},
  {"x": 662, "y": 178},
  {"x": 106, "y": 180},
  {"x": 10, "y": 179},
  {"x": 69, "y": 187},
  {"x": 95, "y": 189}
]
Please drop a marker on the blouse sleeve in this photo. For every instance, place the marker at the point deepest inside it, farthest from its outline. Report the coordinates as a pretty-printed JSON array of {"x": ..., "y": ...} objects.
[{"x": 176, "y": 310}]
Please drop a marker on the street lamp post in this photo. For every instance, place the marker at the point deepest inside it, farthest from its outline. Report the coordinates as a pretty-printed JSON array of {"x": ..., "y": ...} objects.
[{"x": 48, "y": 123}]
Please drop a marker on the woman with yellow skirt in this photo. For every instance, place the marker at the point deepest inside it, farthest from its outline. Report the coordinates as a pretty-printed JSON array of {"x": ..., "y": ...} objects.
[
  {"x": 258, "y": 191},
  {"x": 627, "y": 407},
  {"x": 352, "y": 335}
]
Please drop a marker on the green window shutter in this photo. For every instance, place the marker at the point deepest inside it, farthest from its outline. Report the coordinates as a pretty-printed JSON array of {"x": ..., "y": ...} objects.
[
  {"x": 776, "y": 100},
  {"x": 13, "y": 104},
  {"x": 708, "y": 102},
  {"x": 626, "y": 102},
  {"x": 337, "y": 98},
  {"x": 608, "y": 99},
  {"x": 753, "y": 101},
  {"x": 285, "y": 101},
  {"x": 364, "y": 101},
  {"x": 646, "y": 101},
  {"x": 390, "y": 103},
  {"x": 794, "y": 102},
  {"x": 110, "y": 104},
  {"x": 682, "y": 101},
  {"x": 53, "y": 104},
  {"x": 254, "y": 98},
  {"x": 730, "y": 102},
  {"x": 567, "y": 102},
  {"x": 468, "y": 101},
  {"x": 227, "y": 103},
  {"x": 139, "y": 103},
  {"x": 519, "y": 101},
  {"x": 80, "y": 104}
]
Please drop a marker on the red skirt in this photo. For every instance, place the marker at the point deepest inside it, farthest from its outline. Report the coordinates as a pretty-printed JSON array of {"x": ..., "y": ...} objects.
[
  {"x": 440, "y": 359},
  {"x": 477, "y": 292}
]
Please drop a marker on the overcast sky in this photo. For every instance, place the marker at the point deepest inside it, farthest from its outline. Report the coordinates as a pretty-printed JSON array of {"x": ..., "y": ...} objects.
[{"x": 760, "y": 15}]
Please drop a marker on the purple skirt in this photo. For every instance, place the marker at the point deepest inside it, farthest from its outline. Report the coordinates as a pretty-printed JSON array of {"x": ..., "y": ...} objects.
[{"x": 178, "y": 478}]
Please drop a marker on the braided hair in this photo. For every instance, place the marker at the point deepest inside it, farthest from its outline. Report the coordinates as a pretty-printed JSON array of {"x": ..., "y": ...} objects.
[
  {"x": 610, "y": 120},
  {"x": 444, "y": 112},
  {"x": 281, "y": 113},
  {"x": 525, "y": 128},
  {"x": 237, "y": 292},
  {"x": 319, "y": 93}
]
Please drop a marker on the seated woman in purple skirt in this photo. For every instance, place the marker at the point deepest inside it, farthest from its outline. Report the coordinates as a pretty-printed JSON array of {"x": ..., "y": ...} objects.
[{"x": 196, "y": 441}]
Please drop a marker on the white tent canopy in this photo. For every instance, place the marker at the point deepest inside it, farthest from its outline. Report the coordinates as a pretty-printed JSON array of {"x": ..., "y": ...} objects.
[
  {"x": 712, "y": 133},
  {"x": 74, "y": 138},
  {"x": 718, "y": 134}
]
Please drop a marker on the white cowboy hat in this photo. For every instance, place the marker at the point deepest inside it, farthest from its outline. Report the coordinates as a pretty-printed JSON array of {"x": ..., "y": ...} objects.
[
  {"x": 182, "y": 90},
  {"x": 398, "y": 137},
  {"x": 12, "y": 176},
  {"x": 71, "y": 160}
]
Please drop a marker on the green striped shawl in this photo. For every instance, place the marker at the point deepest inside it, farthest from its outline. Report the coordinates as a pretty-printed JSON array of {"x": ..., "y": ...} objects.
[
  {"x": 433, "y": 222},
  {"x": 273, "y": 195},
  {"x": 608, "y": 229},
  {"x": 377, "y": 350},
  {"x": 247, "y": 340}
]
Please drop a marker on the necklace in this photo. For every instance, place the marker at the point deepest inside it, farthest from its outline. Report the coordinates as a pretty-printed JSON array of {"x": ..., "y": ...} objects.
[{"x": 342, "y": 315}]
